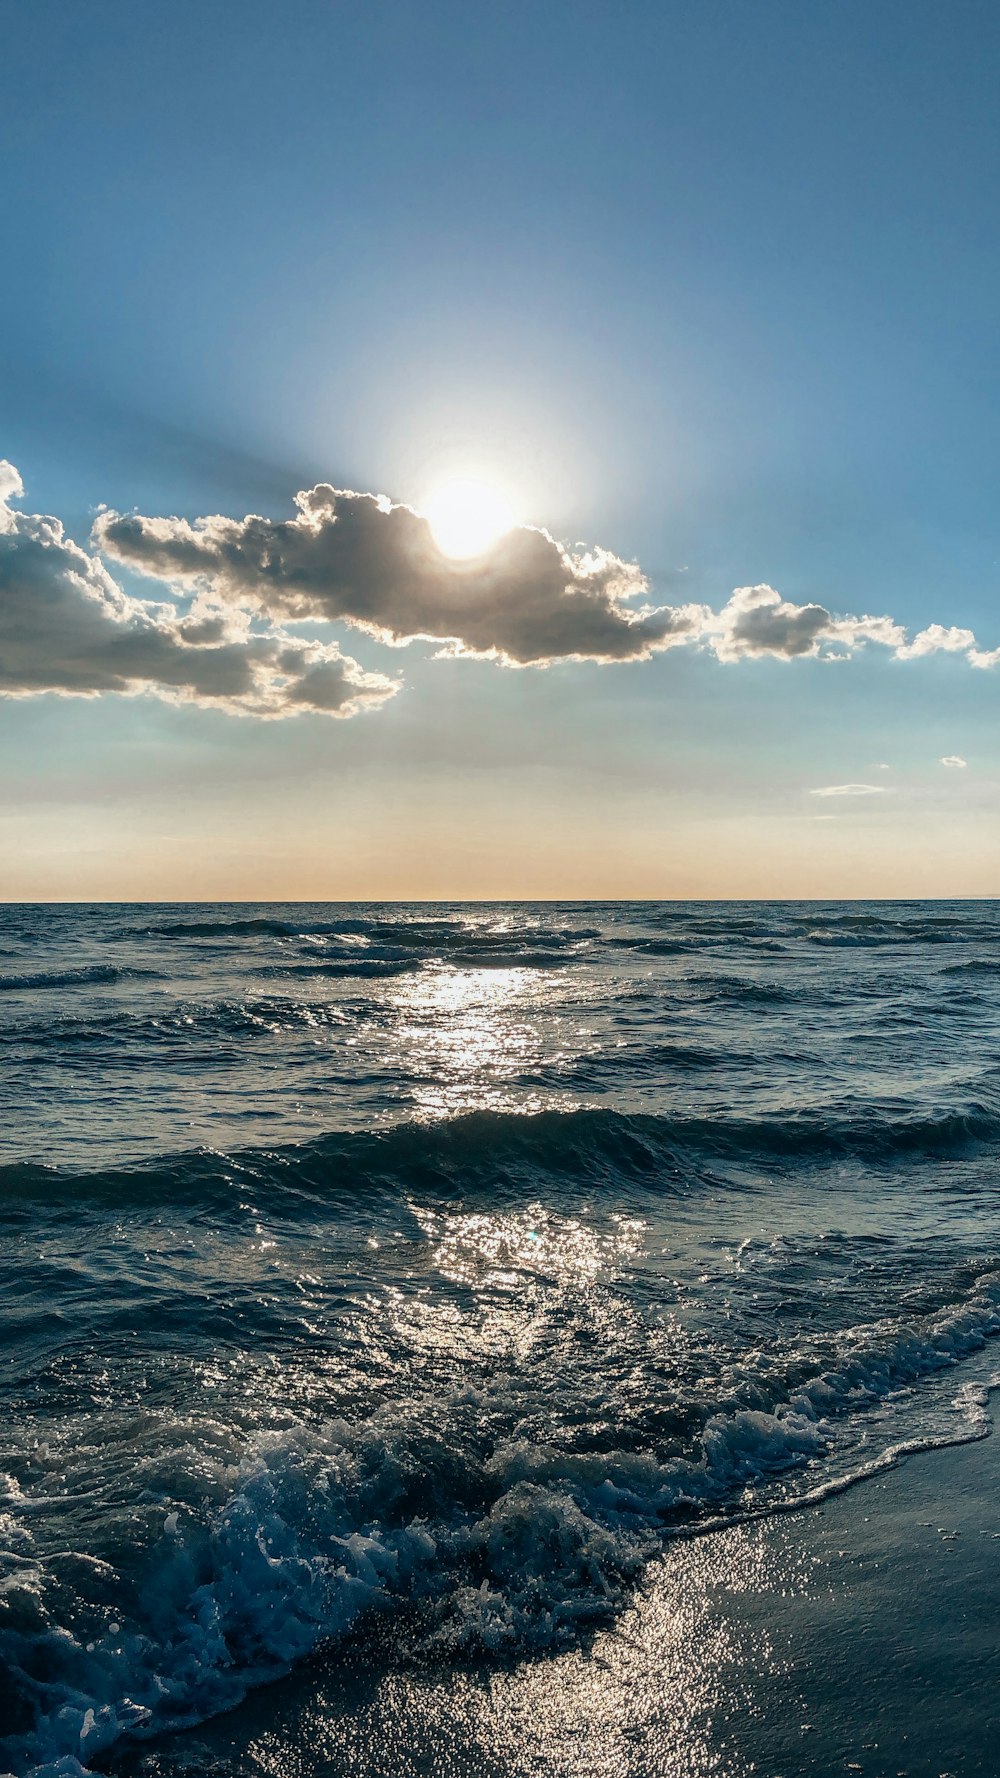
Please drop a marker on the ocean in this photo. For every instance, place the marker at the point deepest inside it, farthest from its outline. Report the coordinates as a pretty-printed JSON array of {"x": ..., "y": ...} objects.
[{"x": 440, "y": 1265}]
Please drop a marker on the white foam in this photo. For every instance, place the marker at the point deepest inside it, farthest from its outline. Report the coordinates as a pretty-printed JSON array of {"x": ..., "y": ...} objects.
[{"x": 308, "y": 1533}]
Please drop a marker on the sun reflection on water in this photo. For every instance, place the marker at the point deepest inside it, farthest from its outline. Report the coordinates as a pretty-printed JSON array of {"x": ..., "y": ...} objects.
[
  {"x": 503, "y": 1249},
  {"x": 468, "y": 1035}
]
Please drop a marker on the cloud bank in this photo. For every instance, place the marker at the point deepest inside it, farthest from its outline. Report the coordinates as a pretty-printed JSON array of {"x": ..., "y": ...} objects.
[
  {"x": 360, "y": 560},
  {"x": 66, "y": 626},
  {"x": 219, "y": 635}
]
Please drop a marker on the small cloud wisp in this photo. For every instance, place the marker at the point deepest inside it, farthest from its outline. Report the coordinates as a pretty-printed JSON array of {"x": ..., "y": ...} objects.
[{"x": 852, "y": 790}]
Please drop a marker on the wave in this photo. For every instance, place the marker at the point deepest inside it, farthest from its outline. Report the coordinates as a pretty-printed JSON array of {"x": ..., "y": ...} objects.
[
  {"x": 508, "y": 1154},
  {"x": 94, "y": 976},
  {"x": 686, "y": 944},
  {"x": 256, "y": 927},
  {"x": 676, "y": 934},
  {"x": 360, "y": 965},
  {"x": 414, "y": 934},
  {"x": 885, "y": 922},
  {"x": 657, "y": 947},
  {"x": 250, "y": 1553},
  {"x": 877, "y": 939},
  {"x": 147, "y": 1032},
  {"x": 495, "y": 1152},
  {"x": 509, "y": 957},
  {"x": 739, "y": 990},
  {"x": 656, "y": 1060},
  {"x": 364, "y": 964}
]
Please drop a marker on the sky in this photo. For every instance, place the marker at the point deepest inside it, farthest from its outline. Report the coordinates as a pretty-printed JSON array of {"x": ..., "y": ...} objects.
[{"x": 702, "y": 297}]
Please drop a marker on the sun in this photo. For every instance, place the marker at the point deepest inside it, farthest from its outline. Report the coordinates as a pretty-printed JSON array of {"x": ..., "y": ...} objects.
[{"x": 467, "y": 517}]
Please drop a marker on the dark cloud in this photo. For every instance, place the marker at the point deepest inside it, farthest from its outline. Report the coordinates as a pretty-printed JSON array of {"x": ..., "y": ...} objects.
[
  {"x": 359, "y": 559},
  {"x": 66, "y": 626}
]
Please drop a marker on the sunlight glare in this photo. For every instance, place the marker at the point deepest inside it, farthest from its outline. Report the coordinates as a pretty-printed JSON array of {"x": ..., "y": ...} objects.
[{"x": 467, "y": 517}]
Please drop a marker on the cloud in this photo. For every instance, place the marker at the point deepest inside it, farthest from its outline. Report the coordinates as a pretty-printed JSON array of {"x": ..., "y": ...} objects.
[
  {"x": 937, "y": 639},
  {"x": 66, "y": 626},
  {"x": 954, "y": 759},
  {"x": 758, "y": 621},
  {"x": 359, "y": 559},
  {"x": 852, "y": 790},
  {"x": 220, "y": 635},
  {"x": 362, "y": 560},
  {"x": 11, "y": 485}
]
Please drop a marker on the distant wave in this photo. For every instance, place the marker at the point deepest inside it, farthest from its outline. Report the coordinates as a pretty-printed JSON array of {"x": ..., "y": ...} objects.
[
  {"x": 875, "y": 938},
  {"x": 657, "y": 1061},
  {"x": 741, "y": 989},
  {"x": 415, "y": 933},
  {"x": 363, "y": 964},
  {"x": 147, "y": 1029},
  {"x": 98, "y": 975},
  {"x": 358, "y": 965},
  {"x": 238, "y": 928}
]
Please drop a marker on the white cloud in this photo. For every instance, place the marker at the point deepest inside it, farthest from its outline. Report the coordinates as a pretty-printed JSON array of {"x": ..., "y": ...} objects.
[
  {"x": 937, "y": 639},
  {"x": 67, "y": 627},
  {"x": 954, "y": 759},
  {"x": 11, "y": 485},
  {"x": 852, "y": 790}
]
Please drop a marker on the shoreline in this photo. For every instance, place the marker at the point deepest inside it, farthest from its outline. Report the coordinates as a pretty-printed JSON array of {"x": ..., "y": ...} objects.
[{"x": 855, "y": 1632}]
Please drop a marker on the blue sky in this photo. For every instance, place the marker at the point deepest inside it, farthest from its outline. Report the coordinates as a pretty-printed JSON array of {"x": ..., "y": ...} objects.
[{"x": 713, "y": 287}]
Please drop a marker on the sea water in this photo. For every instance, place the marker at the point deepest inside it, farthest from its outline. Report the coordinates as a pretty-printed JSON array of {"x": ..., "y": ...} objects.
[{"x": 446, "y": 1261}]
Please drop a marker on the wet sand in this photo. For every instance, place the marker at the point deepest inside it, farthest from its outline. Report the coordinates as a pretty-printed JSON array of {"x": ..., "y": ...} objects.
[{"x": 858, "y": 1636}]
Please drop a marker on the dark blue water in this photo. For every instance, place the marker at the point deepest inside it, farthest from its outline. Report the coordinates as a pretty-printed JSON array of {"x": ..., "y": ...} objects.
[{"x": 443, "y": 1261}]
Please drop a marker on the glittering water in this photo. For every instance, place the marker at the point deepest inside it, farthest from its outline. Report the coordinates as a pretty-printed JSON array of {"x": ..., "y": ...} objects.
[{"x": 441, "y": 1261}]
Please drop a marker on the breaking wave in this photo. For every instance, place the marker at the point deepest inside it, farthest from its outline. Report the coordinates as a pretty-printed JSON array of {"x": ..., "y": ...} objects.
[{"x": 249, "y": 1554}]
